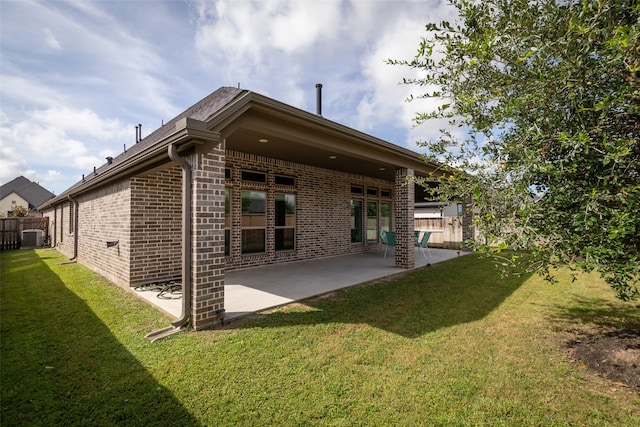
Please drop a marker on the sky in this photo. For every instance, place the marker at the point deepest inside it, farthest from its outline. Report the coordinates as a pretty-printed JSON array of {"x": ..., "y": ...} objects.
[{"x": 77, "y": 76}]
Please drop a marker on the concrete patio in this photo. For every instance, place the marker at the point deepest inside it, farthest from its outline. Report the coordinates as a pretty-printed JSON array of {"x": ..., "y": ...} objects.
[{"x": 260, "y": 288}]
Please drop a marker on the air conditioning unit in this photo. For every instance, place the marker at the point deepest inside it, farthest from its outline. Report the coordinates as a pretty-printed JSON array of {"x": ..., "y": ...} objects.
[{"x": 31, "y": 238}]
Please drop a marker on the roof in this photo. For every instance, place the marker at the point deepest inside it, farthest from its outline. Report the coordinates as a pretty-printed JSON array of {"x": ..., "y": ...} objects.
[
  {"x": 242, "y": 118},
  {"x": 30, "y": 191}
]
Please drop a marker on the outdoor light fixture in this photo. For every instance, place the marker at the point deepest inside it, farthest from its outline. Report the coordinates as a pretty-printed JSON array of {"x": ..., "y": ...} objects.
[
  {"x": 332, "y": 157},
  {"x": 263, "y": 140}
]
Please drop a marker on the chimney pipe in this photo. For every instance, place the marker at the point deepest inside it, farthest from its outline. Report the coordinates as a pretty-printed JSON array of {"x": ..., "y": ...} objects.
[
  {"x": 319, "y": 99},
  {"x": 136, "y": 134},
  {"x": 140, "y": 128}
]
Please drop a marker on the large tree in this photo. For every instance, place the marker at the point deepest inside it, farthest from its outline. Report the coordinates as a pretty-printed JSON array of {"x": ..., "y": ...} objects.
[{"x": 547, "y": 93}]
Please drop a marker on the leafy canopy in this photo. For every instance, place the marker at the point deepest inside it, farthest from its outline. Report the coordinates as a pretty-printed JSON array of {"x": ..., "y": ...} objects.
[{"x": 547, "y": 93}]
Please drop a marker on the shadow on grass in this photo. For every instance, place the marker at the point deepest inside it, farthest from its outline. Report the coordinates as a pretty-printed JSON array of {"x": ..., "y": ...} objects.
[
  {"x": 599, "y": 312},
  {"x": 61, "y": 365},
  {"x": 458, "y": 291}
]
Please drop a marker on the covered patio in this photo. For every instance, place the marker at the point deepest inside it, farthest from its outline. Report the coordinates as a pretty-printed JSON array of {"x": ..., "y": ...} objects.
[{"x": 260, "y": 288}]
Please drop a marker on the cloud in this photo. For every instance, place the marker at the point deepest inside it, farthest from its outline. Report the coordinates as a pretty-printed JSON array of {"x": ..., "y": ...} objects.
[
  {"x": 50, "y": 40},
  {"x": 75, "y": 73},
  {"x": 282, "y": 47},
  {"x": 58, "y": 139}
]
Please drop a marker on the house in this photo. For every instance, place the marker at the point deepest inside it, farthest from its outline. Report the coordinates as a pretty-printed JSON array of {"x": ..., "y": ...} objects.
[
  {"x": 20, "y": 192},
  {"x": 237, "y": 180}
]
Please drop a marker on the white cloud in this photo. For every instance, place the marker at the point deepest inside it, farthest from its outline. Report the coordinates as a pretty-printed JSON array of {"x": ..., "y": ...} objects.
[
  {"x": 58, "y": 139},
  {"x": 50, "y": 40},
  {"x": 74, "y": 73}
]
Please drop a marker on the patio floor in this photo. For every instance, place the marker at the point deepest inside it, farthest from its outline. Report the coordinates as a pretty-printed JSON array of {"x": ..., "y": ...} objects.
[{"x": 260, "y": 288}]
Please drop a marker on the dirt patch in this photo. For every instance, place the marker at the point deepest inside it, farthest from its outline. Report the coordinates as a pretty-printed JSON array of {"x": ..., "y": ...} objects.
[{"x": 614, "y": 355}]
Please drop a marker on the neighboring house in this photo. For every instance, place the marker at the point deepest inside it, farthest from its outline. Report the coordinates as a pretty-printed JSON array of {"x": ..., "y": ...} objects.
[
  {"x": 237, "y": 180},
  {"x": 24, "y": 193}
]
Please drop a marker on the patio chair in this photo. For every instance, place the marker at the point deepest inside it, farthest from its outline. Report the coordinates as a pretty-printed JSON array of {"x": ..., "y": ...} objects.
[
  {"x": 388, "y": 239},
  {"x": 424, "y": 244}
]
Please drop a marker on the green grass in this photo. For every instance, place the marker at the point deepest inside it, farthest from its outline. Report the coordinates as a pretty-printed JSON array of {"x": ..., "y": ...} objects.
[{"x": 452, "y": 344}]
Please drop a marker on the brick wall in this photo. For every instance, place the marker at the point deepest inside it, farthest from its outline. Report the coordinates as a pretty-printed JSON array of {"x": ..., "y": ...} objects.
[
  {"x": 156, "y": 230},
  {"x": 322, "y": 209},
  {"x": 404, "y": 214},
  {"x": 104, "y": 216},
  {"x": 208, "y": 263},
  {"x": 61, "y": 237}
]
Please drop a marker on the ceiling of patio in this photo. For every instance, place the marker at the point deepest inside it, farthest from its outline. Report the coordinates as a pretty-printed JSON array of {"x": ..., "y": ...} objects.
[{"x": 279, "y": 147}]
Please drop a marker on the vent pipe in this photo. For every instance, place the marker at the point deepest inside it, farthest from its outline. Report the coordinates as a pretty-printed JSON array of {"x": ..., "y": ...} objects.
[
  {"x": 109, "y": 160},
  {"x": 319, "y": 99},
  {"x": 140, "y": 130},
  {"x": 137, "y": 134}
]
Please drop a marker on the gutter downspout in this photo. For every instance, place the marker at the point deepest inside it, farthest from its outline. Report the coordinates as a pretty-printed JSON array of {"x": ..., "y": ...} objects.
[
  {"x": 186, "y": 236},
  {"x": 181, "y": 323},
  {"x": 75, "y": 227}
]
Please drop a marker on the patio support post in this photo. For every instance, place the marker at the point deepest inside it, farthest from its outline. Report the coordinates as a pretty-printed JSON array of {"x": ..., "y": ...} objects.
[
  {"x": 208, "y": 237},
  {"x": 403, "y": 215}
]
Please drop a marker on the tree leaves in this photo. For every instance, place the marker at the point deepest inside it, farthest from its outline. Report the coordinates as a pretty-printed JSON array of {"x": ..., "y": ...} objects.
[{"x": 550, "y": 95}]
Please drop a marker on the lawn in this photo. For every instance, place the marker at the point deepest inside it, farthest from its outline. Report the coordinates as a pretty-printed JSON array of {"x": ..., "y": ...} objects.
[{"x": 452, "y": 344}]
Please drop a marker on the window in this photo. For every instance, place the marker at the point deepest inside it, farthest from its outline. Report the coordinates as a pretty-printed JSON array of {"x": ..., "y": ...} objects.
[
  {"x": 356, "y": 190},
  {"x": 372, "y": 221},
  {"x": 385, "y": 216},
  {"x": 285, "y": 231},
  {"x": 254, "y": 220},
  {"x": 284, "y": 180},
  {"x": 227, "y": 222},
  {"x": 356, "y": 221},
  {"x": 254, "y": 176},
  {"x": 227, "y": 173},
  {"x": 372, "y": 192},
  {"x": 385, "y": 193}
]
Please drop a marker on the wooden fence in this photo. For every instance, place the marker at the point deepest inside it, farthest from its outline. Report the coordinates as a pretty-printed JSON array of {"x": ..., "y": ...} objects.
[
  {"x": 447, "y": 231},
  {"x": 11, "y": 230}
]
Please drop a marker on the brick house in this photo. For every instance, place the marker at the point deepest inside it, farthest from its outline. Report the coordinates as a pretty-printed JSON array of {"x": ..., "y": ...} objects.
[{"x": 236, "y": 180}]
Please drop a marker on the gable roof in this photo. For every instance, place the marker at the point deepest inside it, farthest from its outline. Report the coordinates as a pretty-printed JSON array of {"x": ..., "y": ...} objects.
[
  {"x": 32, "y": 192},
  {"x": 241, "y": 118}
]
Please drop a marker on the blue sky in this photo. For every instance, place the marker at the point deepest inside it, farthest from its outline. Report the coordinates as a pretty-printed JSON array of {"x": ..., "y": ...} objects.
[{"x": 77, "y": 76}]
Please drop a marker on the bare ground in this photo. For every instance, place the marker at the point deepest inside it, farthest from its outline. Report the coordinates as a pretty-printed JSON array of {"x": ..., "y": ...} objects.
[{"x": 612, "y": 354}]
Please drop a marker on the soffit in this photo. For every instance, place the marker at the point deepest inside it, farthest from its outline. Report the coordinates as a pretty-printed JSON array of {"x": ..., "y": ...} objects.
[{"x": 312, "y": 140}]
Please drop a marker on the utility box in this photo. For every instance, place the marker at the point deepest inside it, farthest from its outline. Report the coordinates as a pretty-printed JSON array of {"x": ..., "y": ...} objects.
[{"x": 32, "y": 238}]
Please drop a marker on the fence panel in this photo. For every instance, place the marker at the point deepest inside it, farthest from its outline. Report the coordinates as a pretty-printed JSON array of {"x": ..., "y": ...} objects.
[
  {"x": 11, "y": 230},
  {"x": 447, "y": 231}
]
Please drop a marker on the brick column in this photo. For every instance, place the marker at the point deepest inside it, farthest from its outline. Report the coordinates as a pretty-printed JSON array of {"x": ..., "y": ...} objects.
[
  {"x": 208, "y": 238},
  {"x": 403, "y": 211}
]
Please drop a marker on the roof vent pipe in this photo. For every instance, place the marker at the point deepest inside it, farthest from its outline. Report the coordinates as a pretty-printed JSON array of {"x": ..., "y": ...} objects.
[
  {"x": 319, "y": 99},
  {"x": 137, "y": 134},
  {"x": 140, "y": 130},
  {"x": 109, "y": 160}
]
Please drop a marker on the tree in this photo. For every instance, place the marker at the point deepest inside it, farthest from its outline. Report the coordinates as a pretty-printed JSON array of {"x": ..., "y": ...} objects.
[
  {"x": 18, "y": 211},
  {"x": 548, "y": 94}
]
